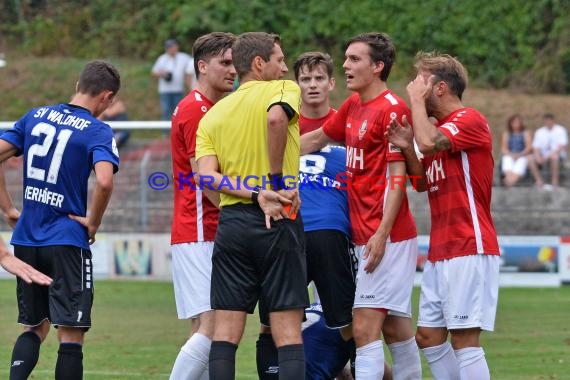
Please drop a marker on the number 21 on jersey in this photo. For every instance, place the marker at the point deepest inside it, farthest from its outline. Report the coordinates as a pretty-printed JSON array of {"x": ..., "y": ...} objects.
[{"x": 41, "y": 150}]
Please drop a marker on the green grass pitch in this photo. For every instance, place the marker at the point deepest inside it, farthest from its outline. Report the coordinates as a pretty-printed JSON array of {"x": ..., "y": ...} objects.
[{"x": 136, "y": 334}]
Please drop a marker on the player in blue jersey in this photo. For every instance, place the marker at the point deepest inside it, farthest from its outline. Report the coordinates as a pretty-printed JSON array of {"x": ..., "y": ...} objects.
[{"x": 61, "y": 145}]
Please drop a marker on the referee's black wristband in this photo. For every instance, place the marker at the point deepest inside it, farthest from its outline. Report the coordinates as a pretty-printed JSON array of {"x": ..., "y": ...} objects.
[
  {"x": 276, "y": 181},
  {"x": 255, "y": 194}
]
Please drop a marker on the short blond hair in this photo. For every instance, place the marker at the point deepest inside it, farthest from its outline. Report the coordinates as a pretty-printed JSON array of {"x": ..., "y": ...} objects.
[{"x": 445, "y": 68}]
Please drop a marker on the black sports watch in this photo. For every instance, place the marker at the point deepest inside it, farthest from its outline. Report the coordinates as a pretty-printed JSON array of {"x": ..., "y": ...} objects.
[{"x": 255, "y": 194}]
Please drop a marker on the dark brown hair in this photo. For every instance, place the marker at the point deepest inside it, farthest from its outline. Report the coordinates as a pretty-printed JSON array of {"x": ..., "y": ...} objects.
[
  {"x": 312, "y": 60},
  {"x": 211, "y": 45},
  {"x": 98, "y": 76},
  {"x": 513, "y": 118},
  {"x": 381, "y": 48}
]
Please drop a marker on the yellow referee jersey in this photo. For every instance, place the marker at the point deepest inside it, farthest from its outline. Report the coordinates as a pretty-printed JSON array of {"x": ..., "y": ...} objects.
[{"x": 235, "y": 130}]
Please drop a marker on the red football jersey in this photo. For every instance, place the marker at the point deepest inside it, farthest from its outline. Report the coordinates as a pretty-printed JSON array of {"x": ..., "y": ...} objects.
[
  {"x": 361, "y": 126},
  {"x": 459, "y": 189},
  {"x": 195, "y": 218},
  {"x": 307, "y": 125}
]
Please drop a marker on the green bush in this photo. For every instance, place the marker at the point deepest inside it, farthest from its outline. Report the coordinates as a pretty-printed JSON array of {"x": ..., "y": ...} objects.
[{"x": 522, "y": 43}]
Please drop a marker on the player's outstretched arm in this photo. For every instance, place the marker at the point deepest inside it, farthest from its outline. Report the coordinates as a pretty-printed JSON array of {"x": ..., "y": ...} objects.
[
  {"x": 19, "y": 268},
  {"x": 314, "y": 140}
]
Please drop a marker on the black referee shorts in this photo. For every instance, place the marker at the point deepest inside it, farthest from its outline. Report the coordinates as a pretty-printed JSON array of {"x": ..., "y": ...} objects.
[
  {"x": 68, "y": 300},
  {"x": 251, "y": 262},
  {"x": 332, "y": 266}
]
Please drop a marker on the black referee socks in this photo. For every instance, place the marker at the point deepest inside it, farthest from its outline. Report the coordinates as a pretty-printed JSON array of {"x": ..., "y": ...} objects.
[
  {"x": 222, "y": 360},
  {"x": 291, "y": 362}
]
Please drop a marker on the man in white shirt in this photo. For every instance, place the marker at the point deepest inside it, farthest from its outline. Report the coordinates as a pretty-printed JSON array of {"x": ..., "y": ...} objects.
[
  {"x": 170, "y": 69},
  {"x": 549, "y": 146},
  {"x": 191, "y": 79}
]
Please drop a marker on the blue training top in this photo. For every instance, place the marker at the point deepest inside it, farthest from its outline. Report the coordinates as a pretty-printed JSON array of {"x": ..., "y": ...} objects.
[
  {"x": 61, "y": 145},
  {"x": 326, "y": 353},
  {"x": 323, "y": 205}
]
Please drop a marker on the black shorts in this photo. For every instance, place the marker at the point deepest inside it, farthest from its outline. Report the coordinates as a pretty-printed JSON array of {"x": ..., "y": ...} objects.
[
  {"x": 251, "y": 262},
  {"x": 68, "y": 300},
  {"x": 332, "y": 266}
]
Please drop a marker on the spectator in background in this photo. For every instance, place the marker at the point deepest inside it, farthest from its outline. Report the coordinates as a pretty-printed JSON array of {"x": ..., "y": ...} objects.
[
  {"x": 515, "y": 147},
  {"x": 549, "y": 146},
  {"x": 191, "y": 78},
  {"x": 117, "y": 111},
  {"x": 170, "y": 69}
]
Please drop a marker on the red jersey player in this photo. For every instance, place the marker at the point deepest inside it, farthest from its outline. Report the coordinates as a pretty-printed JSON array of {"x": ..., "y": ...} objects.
[
  {"x": 460, "y": 280},
  {"x": 195, "y": 216},
  {"x": 381, "y": 223}
]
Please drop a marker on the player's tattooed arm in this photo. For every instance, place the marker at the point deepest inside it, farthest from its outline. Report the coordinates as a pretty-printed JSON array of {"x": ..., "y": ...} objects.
[{"x": 441, "y": 142}]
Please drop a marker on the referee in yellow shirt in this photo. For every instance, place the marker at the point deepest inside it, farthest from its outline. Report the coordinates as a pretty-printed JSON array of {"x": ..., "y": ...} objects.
[{"x": 247, "y": 148}]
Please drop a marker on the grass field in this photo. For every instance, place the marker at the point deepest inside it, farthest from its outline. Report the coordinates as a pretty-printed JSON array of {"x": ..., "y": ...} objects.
[{"x": 136, "y": 334}]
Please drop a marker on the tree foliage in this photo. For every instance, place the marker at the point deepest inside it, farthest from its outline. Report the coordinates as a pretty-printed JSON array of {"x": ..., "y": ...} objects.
[{"x": 522, "y": 43}]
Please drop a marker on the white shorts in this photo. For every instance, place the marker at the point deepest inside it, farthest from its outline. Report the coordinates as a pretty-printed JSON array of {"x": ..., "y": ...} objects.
[
  {"x": 460, "y": 293},
  {"x": 517, "y": 166},
  {"x": 192, "y": 274},
  {"x": 390, "y": 285}
]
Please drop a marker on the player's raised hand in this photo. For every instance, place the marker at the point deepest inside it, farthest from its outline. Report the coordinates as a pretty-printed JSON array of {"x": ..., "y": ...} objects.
[
  {"x": 374, "y": 252},
  {"x": 420, "y": 87},
  {"x": 400, "y": 135},
  {"x": 19, "y": 268}
]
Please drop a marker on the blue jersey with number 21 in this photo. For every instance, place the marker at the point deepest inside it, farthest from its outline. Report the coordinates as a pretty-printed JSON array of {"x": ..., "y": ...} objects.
[{"x": 60, "y": 145}]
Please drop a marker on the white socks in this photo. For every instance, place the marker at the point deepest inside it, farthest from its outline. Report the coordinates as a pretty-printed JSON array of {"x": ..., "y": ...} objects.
[
  {"x": 442, "y": 362},
  {"x": 472, "y": 364},
  {"x": 406, "y": 364},
  {"x": 192, "y": 360},
  {"x": 370, "y": 361}
]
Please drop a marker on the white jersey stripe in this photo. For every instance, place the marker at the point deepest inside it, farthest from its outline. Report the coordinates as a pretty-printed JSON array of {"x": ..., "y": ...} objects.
[
  {"x": 473, "y": 209},
  {"x": 386, "y": 188},
  {"x": 199, "y": 215},
  {"x": 391, "y": 99}
]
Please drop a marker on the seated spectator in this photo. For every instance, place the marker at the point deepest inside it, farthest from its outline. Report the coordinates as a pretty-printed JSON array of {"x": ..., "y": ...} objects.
[
  {"x": 117, "y": 112},
  {"x": 515, "y": 147},
  {"x": 549, "y": 146}
]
